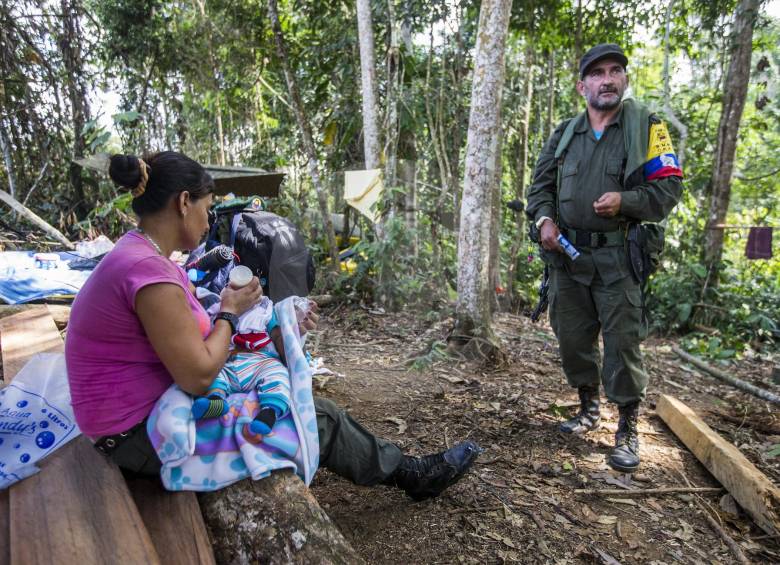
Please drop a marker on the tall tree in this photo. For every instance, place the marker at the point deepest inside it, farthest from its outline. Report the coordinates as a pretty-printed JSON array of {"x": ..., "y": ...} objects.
[
  {"x": 70, "y": 42},
  {"x": 368, "y": 82},
  {"x": 306, "y": 136},
  {"x": 734, "y": 92},
  {"x": 473, "y": 310}
]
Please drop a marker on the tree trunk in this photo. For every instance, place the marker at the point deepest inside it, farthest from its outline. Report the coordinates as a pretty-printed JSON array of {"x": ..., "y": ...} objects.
[
  {"x": 494, "y": 266},
  {"x": 368, "y": 81},
  {"x": 274, "y": 520},
  {"x": 522, "y": 166},
  {"x": 473, "y": 316},
  {"x": 550, "y": 95},
  {"x": 393, "y": 94},
  {"x": 673, "y": 119},
  {"x": 734, "y": 93},
  {"x": 8, "y": 158},
  {"x": 306, "y": 136},
  {"x": 459, "y": 69},
  {"x": 407, "y": 174},
  {"x": 70, "y": 47}
]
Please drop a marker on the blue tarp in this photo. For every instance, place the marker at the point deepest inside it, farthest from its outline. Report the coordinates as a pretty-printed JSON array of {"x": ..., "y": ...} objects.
[{"x": 22, "y": 281}]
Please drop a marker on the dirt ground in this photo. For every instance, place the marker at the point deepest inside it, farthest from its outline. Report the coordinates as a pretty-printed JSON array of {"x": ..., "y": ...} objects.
[{"x": 518, "y": 503}]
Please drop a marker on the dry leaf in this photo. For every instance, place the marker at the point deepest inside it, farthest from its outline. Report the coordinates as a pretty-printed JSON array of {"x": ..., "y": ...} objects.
[
  {"x": 729, "y": 506},
  {"x": 623, "y": 501},
  {"x": 503, "y": 539},
  {"x": 607, "y": 520},
  {"x": 400, "y": 422},
  {"x": 589, "y": 514},
  {"x": 453, "y": 380}
]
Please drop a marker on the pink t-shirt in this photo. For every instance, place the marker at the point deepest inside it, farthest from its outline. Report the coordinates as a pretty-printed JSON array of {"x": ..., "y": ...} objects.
[{"x": 114, "y": 373}]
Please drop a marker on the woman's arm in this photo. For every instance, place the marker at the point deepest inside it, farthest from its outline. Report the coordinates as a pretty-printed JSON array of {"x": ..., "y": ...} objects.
[{"x": 173, "y": 332}]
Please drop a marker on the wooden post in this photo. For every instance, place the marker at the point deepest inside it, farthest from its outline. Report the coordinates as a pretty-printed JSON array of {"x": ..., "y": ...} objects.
[{"x": 749, "y": 487}]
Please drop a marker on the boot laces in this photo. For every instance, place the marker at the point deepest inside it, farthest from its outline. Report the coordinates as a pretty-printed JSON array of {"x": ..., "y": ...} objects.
[
  {"x": 628, "y": 432},
  {"x": 426, "y": 466}
]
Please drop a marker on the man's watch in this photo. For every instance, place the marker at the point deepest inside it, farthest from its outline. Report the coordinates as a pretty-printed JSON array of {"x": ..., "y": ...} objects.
[
  {"x": 541, "y": 221},
  {"x": 230, "y": 318}
]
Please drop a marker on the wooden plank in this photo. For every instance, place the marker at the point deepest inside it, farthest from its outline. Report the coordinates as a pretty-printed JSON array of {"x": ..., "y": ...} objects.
[
  {"x": 174, "y": 522},
  {"x": 5, "y": 532},
  {"x": 60, "y": 313},
  {"x": 750, "y": 488},
  {"x": 78, "y": 508}
]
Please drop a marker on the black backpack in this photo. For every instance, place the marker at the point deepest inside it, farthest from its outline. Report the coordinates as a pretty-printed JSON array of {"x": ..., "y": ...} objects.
[{"x": 271, "y": 246}]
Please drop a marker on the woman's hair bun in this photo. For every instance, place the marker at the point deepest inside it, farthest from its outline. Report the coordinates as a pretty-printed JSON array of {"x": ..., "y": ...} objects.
[{"x": 125, "y": 170}]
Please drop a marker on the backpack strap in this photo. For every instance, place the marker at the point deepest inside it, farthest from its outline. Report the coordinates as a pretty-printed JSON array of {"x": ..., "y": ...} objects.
[{"x": 566, "y": 138}]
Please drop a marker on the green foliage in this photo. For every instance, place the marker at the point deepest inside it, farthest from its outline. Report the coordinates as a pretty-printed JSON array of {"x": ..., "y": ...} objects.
[{"x": 202, "y": 77}]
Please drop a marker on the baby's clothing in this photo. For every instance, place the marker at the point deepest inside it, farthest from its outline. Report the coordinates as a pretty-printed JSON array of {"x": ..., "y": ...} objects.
[
  {"x": 247, "y": 370},
  {"x": 254, "y": 363}
]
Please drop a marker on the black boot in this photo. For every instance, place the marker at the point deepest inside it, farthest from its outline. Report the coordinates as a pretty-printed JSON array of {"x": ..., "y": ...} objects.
[
  {"x": 426, "y": 477},
  {"x": 588, "y": 417},
  {"x": 625, "y": 456}
]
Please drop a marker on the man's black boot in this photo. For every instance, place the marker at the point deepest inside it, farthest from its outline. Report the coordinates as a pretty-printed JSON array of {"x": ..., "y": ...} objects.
[
  {"x": 426, "y": 477},
  {"x": 625, "y": 456},
  {"x": 588, "y": 417}
]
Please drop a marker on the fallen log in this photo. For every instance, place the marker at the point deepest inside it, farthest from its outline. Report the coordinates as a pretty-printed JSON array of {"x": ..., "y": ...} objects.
[
  {"x": 35, "y": 219},
  {"x": 274, "y": 520},
  {"x": 733, "y": 381},
  {"x": 750, "y": 488}
]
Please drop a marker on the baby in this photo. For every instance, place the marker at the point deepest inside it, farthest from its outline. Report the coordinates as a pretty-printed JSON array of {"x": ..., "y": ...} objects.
[{"x": 255, "y": 363}]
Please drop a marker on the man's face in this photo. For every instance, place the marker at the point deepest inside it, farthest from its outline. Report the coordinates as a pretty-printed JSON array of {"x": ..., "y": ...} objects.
[{"x": 604, "y": 84}]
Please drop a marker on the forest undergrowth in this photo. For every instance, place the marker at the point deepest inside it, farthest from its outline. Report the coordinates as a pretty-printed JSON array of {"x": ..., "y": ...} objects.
[{"x": 519, "y": 504}]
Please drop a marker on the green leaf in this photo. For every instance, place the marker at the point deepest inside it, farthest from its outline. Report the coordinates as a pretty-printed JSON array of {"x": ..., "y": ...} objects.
[
  {"x": 126, "y": 117},
  {"x": 699, "y": 270},
  {"x": 684, "y": 312}
]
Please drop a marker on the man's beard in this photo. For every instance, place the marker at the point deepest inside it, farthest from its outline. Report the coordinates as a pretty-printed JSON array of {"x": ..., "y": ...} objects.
[{"x": 604, "y": 105}]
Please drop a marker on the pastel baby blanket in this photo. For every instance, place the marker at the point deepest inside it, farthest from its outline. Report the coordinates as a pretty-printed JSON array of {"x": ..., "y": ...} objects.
[{"x": 210, "y": 454}]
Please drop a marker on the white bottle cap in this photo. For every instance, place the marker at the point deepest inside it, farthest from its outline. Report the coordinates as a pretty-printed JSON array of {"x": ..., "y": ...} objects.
[{"x": 240, "y": 276}]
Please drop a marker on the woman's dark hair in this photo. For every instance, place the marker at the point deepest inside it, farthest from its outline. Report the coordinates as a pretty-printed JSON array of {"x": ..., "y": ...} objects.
[{"x": 168, "y": 173}]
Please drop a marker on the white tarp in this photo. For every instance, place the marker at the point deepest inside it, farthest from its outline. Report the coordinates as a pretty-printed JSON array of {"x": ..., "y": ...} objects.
[{"x": 363, "y": 189}]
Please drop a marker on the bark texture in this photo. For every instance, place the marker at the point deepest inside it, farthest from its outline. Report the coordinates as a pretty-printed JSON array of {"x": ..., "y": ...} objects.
[
  {"x": 734, "y": 92},
  {"x": 70, "y": 47},
  {"x": 521, "y": 164},
  {"x": 306, "y": 136},
  {"x": 479, "y": 183},
  {"x": 368, "y": 82},
  {"x": 275, "y": 520}
]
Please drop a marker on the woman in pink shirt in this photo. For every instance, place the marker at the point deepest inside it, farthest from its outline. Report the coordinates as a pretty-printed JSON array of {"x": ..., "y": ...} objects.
[{"x": 135, "y": 328}]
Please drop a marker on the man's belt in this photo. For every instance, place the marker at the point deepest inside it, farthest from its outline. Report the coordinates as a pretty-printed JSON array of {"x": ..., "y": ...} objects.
[{"x": 585, "y": 238}]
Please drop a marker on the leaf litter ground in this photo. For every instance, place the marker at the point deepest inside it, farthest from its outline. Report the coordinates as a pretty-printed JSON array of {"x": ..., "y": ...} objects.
[{"x": 518, "y": 503}]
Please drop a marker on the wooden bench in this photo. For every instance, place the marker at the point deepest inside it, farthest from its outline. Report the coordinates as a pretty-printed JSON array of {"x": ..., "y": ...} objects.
[{"x": 79, "y": 508}]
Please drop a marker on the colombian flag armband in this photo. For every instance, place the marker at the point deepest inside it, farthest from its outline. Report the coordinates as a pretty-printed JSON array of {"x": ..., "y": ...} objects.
[{"x": 661, "y": 160}]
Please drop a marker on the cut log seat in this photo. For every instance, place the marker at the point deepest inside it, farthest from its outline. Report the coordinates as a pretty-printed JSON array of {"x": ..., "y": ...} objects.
[{"x": 78, "y": 508}]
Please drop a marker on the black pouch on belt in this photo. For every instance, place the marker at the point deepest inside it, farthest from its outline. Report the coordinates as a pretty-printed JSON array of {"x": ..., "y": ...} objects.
[
  {"x": 644, "y": 245},
  {"x": 635, "y": 253}
]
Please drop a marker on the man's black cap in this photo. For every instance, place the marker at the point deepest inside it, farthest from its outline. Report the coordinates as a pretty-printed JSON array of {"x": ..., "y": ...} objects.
[{"x": 602, "y": 51}]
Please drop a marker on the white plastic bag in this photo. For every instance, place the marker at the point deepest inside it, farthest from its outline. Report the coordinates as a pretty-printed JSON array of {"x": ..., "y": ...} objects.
[{"x": 35, "y": 416}]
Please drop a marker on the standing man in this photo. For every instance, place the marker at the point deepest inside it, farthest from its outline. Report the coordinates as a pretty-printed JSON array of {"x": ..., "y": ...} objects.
[{"x": 601, "y": 171}]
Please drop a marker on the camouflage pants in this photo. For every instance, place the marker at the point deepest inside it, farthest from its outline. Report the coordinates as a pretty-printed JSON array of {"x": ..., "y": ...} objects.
[{"x": 578, "y": 313}]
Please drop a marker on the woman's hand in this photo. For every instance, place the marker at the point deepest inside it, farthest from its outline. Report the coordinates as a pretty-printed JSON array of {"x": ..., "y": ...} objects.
[{"x": 239, "y": 300}]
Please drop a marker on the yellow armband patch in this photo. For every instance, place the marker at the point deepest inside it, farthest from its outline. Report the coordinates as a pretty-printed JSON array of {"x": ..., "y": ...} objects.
[{"x": 660, "y": 141}]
